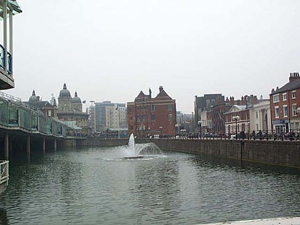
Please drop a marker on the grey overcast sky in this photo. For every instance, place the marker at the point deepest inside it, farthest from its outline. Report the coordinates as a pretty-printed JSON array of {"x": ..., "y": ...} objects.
[{"x": 113, "y": 49}]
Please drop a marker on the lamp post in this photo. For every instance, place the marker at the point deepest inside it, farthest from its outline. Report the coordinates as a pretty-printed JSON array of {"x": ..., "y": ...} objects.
[
  {"x": 160, "y": 130},
  {"x": 236, "y": 118},
  {"x": 177, "y": 129},
  {"x": 199, "y": 123}
]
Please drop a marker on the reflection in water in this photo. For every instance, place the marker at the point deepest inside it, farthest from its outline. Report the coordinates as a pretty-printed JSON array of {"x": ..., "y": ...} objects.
[
  {"x": 157, "y": 192},
  {"x": 3, "y": 217},
  {"x": 80, "y": 186}
]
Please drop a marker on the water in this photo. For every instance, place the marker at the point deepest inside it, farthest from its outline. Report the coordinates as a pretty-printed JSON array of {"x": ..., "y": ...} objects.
[{"x": 91, "y": 186}]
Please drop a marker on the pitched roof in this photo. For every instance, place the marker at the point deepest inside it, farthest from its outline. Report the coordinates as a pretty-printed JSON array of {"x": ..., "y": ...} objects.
[
  {"x": 288, "y": 87},
  {"x": 141, "y": 95},
  {"x": 237, "y": 108},
  {"x": 163, "y": 95}
]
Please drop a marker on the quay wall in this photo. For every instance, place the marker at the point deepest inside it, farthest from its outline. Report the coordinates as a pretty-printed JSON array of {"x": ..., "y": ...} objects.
[
  {"x": 284, "y": 153},
  {"x": 102, "y": 142}
]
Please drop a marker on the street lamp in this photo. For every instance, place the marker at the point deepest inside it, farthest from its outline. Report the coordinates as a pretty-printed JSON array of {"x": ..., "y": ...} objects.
[
  {"x": 199, "y": 123},
  {"x": 236, "y": 118},
  {"x": 160, "y": 130},
  {"x": 177, "y": 126}
]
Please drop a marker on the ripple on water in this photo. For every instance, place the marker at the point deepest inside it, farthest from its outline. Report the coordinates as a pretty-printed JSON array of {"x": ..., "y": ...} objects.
[{"x": 92, "y": 186}]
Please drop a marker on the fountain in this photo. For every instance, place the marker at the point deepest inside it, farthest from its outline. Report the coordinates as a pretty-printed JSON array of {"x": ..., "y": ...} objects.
[
  {"x": 132, "y": 151},
  {"x": 140, "y": 151}
]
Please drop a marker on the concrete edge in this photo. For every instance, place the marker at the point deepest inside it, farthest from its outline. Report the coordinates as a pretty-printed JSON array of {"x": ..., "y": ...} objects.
[{"x": 271, "y": 221}]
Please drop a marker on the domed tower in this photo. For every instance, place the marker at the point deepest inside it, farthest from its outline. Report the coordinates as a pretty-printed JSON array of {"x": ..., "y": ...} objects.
[
  {"x": 33, "y": 97},
  {"x": 64, "y": 100},
  {"x": 76, "y": 102}
]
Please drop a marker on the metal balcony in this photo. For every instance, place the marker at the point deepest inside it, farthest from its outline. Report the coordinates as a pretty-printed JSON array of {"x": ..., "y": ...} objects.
[{"x": 6, "y": 79}]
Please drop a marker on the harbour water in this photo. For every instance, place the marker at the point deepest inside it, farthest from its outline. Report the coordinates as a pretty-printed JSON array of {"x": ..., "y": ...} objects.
[{"x": 96, "y": 186}]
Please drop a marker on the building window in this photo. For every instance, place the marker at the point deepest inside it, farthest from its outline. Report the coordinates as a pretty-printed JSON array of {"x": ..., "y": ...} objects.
[
  {"x": 170, "y": 116},
  {"x": 276, "y": 112},
  {"x": 256, "y": 115},
  {"x": 276, "y": 98},
  {"x": 294, "y": 109},
  {"x": 293, "y": 94},
  {"x": 285, "y": 114},
  {"x": 284, "y": 97},
  {"x": 152, "y": 117},
  {"x": 131, "y": 128},
  {"x": 170, "y": 107},
  {"x": 152, "y": 107}
]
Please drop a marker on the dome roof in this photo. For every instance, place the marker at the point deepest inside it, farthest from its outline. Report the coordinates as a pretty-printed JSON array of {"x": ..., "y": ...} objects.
[
  {"x": 64, "y": 93},
  {"x": 33, "y": 97},
  {"x": 76, "y": 99}
]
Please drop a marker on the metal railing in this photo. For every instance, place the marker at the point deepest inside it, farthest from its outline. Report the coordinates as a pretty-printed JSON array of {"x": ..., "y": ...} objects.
[
  {"x": 16, "y": 114},
  {"x": 256, "y": 135},
  {"x": 3, "y": 55},
  {"x": 4, "y": 173}
]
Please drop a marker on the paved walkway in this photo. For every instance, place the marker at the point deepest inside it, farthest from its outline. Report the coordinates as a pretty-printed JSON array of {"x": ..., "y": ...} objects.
[{"x": 275, "y": 221}]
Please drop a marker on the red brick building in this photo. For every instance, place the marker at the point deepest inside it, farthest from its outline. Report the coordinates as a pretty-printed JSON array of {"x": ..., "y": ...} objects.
[
  {"x": 285, "y": 103},
  {"x": 237, "y": 119},
  {"x": 152, "y": 116}
]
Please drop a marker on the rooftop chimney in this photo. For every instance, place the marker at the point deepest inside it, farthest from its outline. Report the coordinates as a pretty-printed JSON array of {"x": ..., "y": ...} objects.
[
  {"x": 231, "y": 100},
  {"x": 294, "y": 76},
  {"x": 243, "y": 101},
  {"x": 161, "y": 89}
]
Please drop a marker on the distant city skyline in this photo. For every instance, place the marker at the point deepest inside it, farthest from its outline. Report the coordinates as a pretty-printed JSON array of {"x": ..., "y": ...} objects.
[{"x": 117, "y": 49}]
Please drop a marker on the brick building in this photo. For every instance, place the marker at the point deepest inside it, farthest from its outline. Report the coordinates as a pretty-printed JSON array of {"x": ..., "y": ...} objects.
[
  {"x": 248, "y": 114},
  {"x": 209, "y": 113},
  {"x": 285, "y": 102},
  {"x": 237, "y": 119},
  {"x": 152, "y": 116}
]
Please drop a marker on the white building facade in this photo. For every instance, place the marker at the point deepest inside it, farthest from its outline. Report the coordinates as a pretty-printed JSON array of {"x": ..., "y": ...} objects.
[{"x": 260, "y": 116}]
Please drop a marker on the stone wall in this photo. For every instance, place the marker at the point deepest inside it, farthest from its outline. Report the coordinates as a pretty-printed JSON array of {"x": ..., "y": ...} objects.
[
  {"x": 101, "y": 142},
  {"x": 284, "y": 153}
]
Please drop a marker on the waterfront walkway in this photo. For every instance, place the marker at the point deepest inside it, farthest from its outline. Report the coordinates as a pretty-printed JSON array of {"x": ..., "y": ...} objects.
[
  {"x": 22, "y": 124},
  {"x": 274, "y": 221}
]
